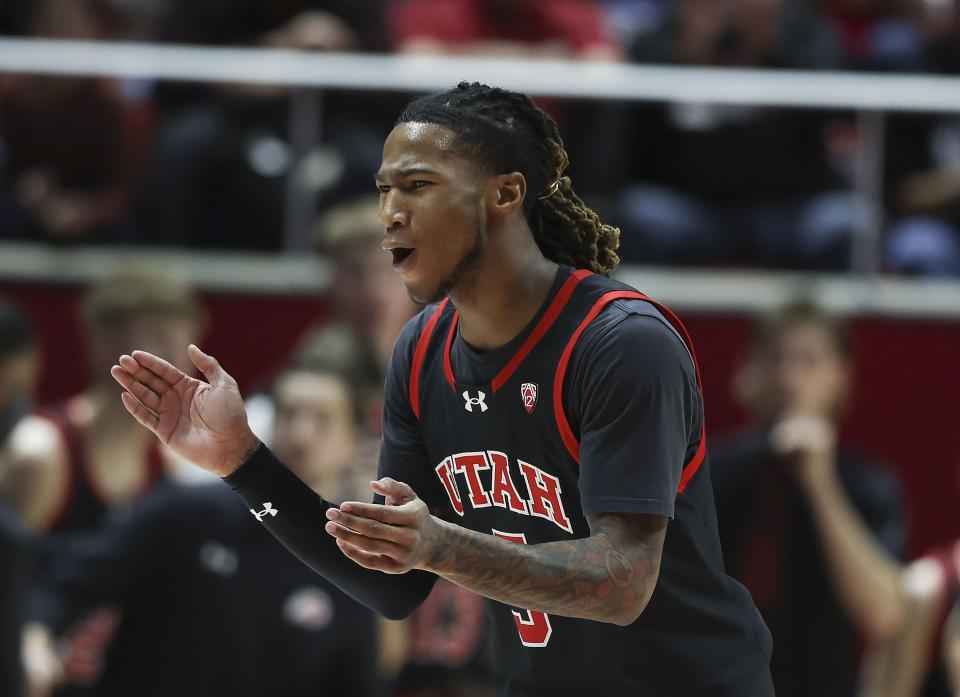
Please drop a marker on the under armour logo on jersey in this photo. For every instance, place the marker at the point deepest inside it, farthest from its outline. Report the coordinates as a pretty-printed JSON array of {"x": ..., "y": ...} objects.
[
  {"x": 528, "y": 392},
  {"x": 268, "y": 509},
  {"x": 472, "y": 402}
]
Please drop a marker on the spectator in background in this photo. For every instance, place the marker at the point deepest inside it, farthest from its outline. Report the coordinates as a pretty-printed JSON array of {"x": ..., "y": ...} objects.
[
  {"x": 515, "y": 28},
  {"x": 71, "y": 147},
  {"x": 79, "y": 461},
  {"x": 19, "y": 363},
  {"x": 923, "y": 167},
  {"x": 82, "y": 455},
  {"x": 921, "y": 658},
  {"x": 365, "y": 289},
  {"x": 310, "y": 399},
  {"x": 878, "y": 34},
  {"x": 211, "y": 606},
  {"x": 224, "y": 156},
  {"x": 627, "y": 18},
  {"x": 735, "y": 184},
  {"x": 810, "y": 528}
]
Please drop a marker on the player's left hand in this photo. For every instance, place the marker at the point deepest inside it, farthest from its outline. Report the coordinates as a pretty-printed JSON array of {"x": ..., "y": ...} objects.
[{"x": 392, "y": 538}]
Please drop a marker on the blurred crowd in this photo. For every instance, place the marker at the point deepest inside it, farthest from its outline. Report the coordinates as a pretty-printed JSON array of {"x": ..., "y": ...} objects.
[{"x": 139, "y": 162}]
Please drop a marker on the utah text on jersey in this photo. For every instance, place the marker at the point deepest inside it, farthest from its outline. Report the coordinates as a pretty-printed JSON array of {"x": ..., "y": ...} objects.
[{"x": 543, "y": 490}]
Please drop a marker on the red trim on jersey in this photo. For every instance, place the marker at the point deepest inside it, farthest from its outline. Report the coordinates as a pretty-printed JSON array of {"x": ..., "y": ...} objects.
[
  {"x": 559, "y": 302},
  {"x": 447, "y": 366},
  {"x": 156, "y": 465},
  {"x": 78, "y": 466},
  {"x": 420, "y": 354},
  {"x": 566, "y": 433}
]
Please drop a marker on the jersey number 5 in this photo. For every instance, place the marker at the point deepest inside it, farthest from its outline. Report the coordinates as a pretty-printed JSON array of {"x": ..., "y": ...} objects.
[{"x": 534, "y": 627}]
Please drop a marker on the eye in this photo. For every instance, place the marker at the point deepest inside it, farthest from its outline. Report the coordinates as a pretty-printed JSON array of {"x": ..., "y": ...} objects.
[
  {"x": 419, "y": 184},
  {"x": 383, "y": 188}
]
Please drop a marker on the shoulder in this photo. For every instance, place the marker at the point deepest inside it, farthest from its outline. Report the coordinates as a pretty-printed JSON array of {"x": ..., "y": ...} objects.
[
  {"x": 636, "y": 331},
  {"x": 35, "y": 471},
  {"x": 36, "y": 441}
]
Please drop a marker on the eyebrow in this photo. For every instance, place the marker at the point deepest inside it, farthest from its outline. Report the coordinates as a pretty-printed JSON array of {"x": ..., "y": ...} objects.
[{"x": 404, "y": 172}]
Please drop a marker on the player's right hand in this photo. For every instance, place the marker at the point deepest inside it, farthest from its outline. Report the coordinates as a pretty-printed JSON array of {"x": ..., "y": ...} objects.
[{"x": 203, "y": 422}]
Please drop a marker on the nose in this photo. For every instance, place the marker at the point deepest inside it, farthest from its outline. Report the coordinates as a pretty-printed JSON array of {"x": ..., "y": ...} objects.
[{"x": 393, "y": 213}]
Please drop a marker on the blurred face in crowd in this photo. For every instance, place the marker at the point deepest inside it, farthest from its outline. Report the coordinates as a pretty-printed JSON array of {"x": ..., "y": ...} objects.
[
  {"x": 366, "y": 289},
  {"x": 314, "y": 426},
  {"x": 802, "y": 371},
  {"x": 162, "y": 334}
]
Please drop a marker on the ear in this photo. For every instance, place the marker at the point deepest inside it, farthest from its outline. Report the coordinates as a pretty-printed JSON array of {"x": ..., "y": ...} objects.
[{"x": 507, "y": 193}]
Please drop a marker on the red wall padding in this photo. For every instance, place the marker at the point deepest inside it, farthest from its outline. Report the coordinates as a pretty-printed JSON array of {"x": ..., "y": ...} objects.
[{"x": 905, "y": 411}]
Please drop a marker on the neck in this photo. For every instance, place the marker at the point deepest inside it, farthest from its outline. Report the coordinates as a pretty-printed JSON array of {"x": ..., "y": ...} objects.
[{"x": 504, "y": 291}]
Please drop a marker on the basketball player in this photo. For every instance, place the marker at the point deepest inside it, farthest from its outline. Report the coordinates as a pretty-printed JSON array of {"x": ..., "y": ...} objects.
[
  {"x": 81, "y": 459},
  {"x": 543, "y": 429}
]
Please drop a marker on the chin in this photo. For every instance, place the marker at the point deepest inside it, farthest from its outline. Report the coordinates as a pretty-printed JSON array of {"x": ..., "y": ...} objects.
[{"x": 423, "y": 296}]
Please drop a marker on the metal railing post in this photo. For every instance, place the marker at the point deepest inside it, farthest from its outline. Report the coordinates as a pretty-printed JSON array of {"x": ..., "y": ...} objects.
[
  {"x": 866, "y": 247},
  {"x": 305, "y": 131}
]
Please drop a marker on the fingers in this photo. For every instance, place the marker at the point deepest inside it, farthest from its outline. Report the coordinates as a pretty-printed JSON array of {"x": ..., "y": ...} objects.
[
  {"x": 144, "y": 375},
  {"x": 209, "y": 366},
  {"x": 391, "y": 515},
  {"x": 368, "y": 560},
  {"x": 144, "y": 394},
  {"x": 145, "y": 416},
  {"x": 373, "y": 528},
  {"x": 367, "y": 544},
  {"x": 396, "y": 493},
  {"x": 159, "y": 367}
]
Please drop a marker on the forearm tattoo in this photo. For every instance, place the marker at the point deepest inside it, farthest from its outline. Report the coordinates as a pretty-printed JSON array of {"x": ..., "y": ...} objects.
[{"x": 607, "y": 576}]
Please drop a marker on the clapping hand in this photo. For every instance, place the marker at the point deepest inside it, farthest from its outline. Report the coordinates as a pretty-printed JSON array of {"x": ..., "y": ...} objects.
[
  {"x": 203, "y": 422},
  {"x": 392, "y": 538}
]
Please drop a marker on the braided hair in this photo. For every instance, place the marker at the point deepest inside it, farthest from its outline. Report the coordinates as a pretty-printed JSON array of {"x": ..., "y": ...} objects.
[{"x": 507, "y": 132}]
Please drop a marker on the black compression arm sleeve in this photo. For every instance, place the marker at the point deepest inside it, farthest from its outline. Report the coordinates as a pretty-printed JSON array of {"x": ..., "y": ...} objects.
[{"x": 297, "y": 517}]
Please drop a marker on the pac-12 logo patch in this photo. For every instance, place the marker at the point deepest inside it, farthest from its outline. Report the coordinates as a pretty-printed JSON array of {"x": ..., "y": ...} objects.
[{"x": 528, "y": 391}]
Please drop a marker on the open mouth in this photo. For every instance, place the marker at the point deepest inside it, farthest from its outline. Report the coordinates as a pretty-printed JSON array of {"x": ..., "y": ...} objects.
[{"x": 401, "y": 254}]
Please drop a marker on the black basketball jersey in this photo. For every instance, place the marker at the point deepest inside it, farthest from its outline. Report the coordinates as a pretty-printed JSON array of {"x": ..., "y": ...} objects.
[
  {"x": 83, "y": 508},
  {"x": 505, "y": 456}
]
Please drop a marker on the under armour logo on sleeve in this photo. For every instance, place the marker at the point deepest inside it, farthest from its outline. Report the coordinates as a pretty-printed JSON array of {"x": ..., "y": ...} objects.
[
  {"x": 471, "y": 402},
  {"x": 268, "y": 509}
]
